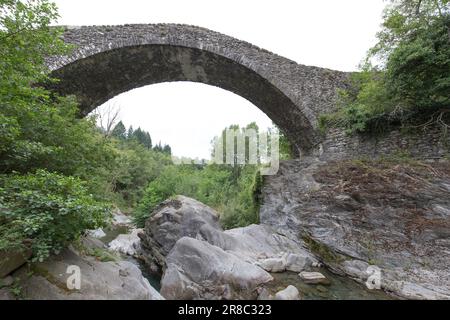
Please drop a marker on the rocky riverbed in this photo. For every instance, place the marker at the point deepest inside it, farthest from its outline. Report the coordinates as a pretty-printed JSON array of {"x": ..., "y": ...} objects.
[{"x": 327, "y": 229}]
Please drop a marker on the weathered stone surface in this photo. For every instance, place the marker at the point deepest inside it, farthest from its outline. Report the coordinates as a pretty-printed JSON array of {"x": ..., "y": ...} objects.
[
  {"x": 353, "y": 215},
  {"x": 172, "y": 220},
  {"x": 290, "y": 293},
  {"x": 264, "y": 294},
  {"x": 313, "y": 277},
  {"x": 10, "y": 261},
  {"x": 6, "y": 282},
  {"x": 5, "y": 294},
  {"x": 129, "y": 244},
  {"x": 110, "y": 60},
  {"x": 119, "y": 280},
  {"x": 257, "y": 243},
  {"x": 199, "y": 270},
  {"x": 273, "y": 264}
]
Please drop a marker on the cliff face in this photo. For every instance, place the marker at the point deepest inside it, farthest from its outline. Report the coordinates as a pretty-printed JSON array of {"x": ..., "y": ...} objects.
[{"x": 394, "y": 214}]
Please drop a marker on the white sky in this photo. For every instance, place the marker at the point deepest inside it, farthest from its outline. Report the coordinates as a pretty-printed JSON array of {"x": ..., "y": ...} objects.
[{"x": 326, "y": 33}]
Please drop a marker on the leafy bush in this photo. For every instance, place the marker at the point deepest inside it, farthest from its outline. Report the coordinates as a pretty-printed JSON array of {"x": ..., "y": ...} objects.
[
  {"x": 411, "y": 85},
  {"x": 46, "y": 211},
  {"x": 214, "y": 185}
]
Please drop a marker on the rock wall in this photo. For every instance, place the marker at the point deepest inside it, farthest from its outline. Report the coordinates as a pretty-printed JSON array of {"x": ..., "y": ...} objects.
[
  {"x": 354, "y": 214},
  {"x": 431, "y": 144}
]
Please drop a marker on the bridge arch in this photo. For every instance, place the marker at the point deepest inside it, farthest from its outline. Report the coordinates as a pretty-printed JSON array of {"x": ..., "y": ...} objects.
[{"x": 109, "y": 60}]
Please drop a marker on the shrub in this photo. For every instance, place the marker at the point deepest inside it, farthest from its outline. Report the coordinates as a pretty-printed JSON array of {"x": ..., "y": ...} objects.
[{"x": 45, "y": 212}]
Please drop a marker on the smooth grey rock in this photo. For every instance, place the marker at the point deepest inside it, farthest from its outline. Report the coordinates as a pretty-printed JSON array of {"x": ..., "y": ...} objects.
[
  {"x": 6, "y": 282},
  {"x": 296, "y": 262},
  {"x": 356, "y": 269},
  {"x": 12, "y": 260},
  {"x": 256, "y": 243},
  {"x": 128, "y": 244},
  {"x": 170, "y": 221},
  {"x": 290, "y": 293},
  {"x": 119, "y": 280},
  {"x": 199, "y": 270}
]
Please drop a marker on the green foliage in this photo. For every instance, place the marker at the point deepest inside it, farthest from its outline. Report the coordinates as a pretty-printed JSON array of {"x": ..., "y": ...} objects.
[
  {"x": 242, "y": 207},
  {"x": 133, "y": 169},
  {"x": 26, "y": 38},
  {"x": 119, "y": 131},
  {"x": 39, "y": 134},
  {"x": 233, "y": 190},
  {"x": 45, "y": 211},
  {"x": 140, "y": 136},
  {"x": 236, "y": 198},
  {"x": 411, "y": 83},
  {"x": 208, "y": 184}
]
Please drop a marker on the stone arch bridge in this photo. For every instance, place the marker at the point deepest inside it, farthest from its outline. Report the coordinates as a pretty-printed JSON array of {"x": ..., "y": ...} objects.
[{"x": 109, "y": 60}]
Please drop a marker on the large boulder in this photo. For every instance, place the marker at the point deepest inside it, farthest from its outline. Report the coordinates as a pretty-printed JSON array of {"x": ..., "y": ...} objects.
[
  {"x": 12, "y": 260},
  {"x": 171, "y": 220},
  {"x": 112, "y": 280},
  {"x": 198, "y": 270},
  {"x": 261, "y": 245}
]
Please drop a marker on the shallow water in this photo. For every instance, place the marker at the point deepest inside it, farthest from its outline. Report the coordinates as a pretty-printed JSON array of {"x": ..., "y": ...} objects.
[
  {"x": 340, "y": 288},
  {"x": 111, "y": 233}
]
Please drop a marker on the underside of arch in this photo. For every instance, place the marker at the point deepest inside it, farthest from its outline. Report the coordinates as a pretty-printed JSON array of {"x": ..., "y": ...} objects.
[{"x": 99, "y": 77}]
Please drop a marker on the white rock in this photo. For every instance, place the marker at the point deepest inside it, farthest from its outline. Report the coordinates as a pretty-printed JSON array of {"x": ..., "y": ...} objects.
[
  {"x": 290, "y": 293},
  {"x": 297, "y": 262},
  {"x": 97, "y": 233},
  {"x": 119, "y": 219},
  {"x": 273, "y": 264},
  {"x": 313, "y": 277},
  {"x": 127, "y": 243}
]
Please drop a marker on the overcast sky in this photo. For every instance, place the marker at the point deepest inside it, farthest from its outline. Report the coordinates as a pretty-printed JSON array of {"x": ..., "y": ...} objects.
[{"x": 326, "y": 33}]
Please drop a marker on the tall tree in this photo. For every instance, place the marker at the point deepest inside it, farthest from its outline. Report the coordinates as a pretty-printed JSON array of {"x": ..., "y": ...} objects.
[
  {"x": 119, "y": 131},
  {"x": 167, "y": 149},
  {"x": 130, "y": 133}
]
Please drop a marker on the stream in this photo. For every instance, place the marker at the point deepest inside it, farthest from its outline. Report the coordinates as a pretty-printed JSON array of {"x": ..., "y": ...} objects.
[
  {"x": 340, "y": 288},
  {"x": 111, "y": 233}
]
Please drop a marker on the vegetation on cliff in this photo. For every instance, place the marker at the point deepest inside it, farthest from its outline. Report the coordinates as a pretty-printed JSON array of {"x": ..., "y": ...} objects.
[{"x": 405, "y": 78}]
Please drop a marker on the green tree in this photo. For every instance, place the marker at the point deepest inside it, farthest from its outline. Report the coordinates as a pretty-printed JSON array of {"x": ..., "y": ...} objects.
[
  {"x": 39, "y": 134},
  {"x": 119, "y": 131},
  {"x": 406, "y": 76},
  {"x": 130, "y": 133}
]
